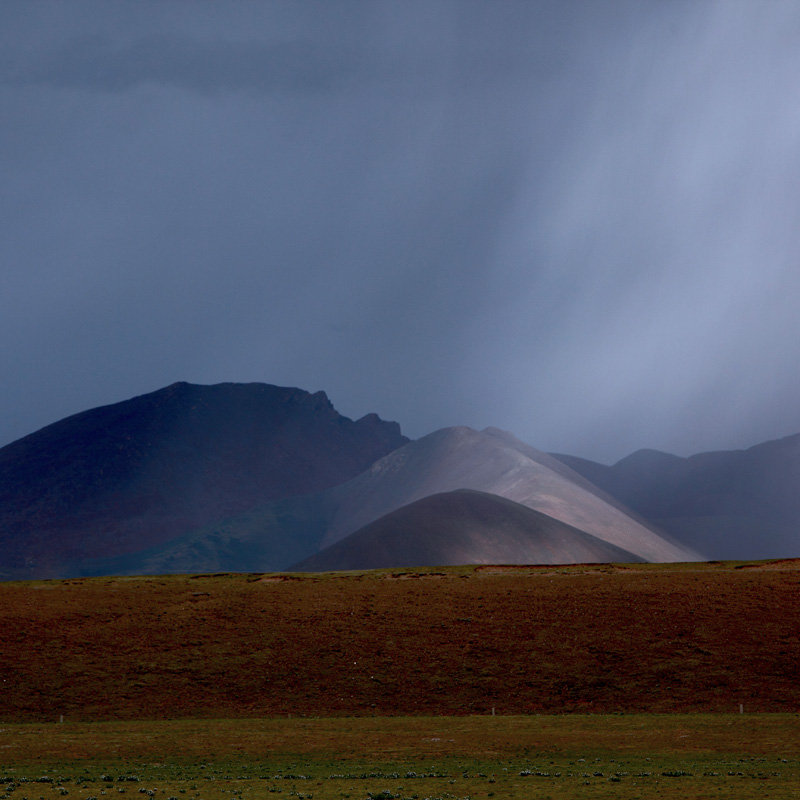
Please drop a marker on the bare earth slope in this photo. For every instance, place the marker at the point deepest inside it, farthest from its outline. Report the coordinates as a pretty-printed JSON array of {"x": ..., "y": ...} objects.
[
  {"x": 461, "y": 458},
  {"x": 463, "y": 527},
  {"x": 729, "y": 504},
  {"x": 135, "y": 474}
]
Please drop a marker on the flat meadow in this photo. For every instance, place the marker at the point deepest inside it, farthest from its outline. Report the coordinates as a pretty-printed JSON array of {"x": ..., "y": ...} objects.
[{"x": 543, "y": 756}]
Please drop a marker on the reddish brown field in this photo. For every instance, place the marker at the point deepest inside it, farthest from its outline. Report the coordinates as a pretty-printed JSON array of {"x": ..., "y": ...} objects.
[{"x": 456, "y": 641}]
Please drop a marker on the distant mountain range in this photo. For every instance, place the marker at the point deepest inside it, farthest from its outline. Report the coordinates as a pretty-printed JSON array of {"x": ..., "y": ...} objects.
[
  {"x": 254, "y": 478},
  {"x": 737, "y": 504}
]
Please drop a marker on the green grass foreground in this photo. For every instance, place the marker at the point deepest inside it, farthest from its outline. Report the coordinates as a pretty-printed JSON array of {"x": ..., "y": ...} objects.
[{"x": 571, "y": 756}]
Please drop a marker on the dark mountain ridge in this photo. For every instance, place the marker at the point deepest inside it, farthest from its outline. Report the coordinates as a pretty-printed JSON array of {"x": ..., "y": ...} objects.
[{"x": 135, "y": 474}]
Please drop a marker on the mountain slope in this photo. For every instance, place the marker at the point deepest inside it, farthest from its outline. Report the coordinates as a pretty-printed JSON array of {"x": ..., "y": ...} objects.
[
  {"x": 463, "y": 527},
  {"x": 136, "y": 474},
  {"x": 731, "y": 504},
  {"x": 493, "y": 462},
  {"x": 267, "y": 538}
]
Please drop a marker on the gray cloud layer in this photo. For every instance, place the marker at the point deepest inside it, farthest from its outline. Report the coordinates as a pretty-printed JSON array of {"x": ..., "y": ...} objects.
[
  {"x": 95, "y": 63},
  {"x": 571, "y": 220}
]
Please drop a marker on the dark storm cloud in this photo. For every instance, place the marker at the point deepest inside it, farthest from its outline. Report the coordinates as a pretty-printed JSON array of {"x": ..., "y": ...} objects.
[
  {"x": 100, "y": 62},
  {"x": 95, "y": 63},
  {"x": 573, "y": 220}
]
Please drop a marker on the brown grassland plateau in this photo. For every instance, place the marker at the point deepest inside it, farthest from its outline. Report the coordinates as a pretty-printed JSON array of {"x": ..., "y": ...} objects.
[
  {"x": 702, "y": 637},
  {"x": 587, "y": 681}
]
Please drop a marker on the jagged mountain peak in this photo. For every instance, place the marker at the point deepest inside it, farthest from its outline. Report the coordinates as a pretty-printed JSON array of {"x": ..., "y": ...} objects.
[{"x": 134, "y": 474}]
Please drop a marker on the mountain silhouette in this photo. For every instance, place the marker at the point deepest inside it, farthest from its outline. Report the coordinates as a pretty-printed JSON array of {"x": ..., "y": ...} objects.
[
  {"x": 254, "y": 477},
  {"x": 133, "y": 475}
]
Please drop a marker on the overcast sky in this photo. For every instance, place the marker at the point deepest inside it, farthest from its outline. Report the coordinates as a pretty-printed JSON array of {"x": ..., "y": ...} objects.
[{"x": 577, "y": 221}]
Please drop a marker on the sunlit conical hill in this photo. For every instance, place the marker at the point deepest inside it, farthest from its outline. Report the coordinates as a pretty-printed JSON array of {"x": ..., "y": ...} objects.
[
  {"x": 495, "y": 462},
  {"x": 463, "y": 527}
]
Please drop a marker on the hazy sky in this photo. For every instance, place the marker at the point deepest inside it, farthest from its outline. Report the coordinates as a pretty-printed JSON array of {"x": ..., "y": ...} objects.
[{"x": 578, "y": 221}]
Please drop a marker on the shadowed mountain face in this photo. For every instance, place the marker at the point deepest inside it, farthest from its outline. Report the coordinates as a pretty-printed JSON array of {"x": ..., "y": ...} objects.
[
  {"x": 133, "y": 475},
  {"x": 736, "y": 504},
  {"x": 463, "y": 527},
  {"x": 495, "y": 462}
]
